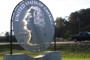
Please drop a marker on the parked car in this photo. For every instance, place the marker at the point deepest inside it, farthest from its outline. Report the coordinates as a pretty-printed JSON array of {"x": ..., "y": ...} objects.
[{"x": 82, "y": 36}]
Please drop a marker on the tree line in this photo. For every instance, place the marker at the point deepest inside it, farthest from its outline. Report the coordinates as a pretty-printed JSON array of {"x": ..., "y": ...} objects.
[
  {"x": 7, "y": 37},
  {"x": 78, "y": 21}
]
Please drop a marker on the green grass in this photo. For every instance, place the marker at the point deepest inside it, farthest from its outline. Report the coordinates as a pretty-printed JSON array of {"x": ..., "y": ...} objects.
[
  {"x": 1, "y": 58},
  {"x": 75, "y": 58},
  {"x": 67, "y": 51},
  {"x": 74, "y": 50}
]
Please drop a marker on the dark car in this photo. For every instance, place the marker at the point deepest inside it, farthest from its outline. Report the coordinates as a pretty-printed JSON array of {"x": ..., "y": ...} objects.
[{"x": 82, "y": 36}]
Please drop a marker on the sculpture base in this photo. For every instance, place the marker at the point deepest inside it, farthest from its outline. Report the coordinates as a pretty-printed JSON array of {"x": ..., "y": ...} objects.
[{"x": 50, "y": 55}]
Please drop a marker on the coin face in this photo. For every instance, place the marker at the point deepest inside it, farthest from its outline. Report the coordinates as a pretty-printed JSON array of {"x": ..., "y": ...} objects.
[{"x": 33, "y": 25}]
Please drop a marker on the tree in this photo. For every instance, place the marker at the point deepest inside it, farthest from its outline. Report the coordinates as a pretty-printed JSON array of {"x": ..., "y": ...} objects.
[
  {"x": 79, "y": 20},
  {"x": 7, "y": 35},
  {"x": 74, "y": 22},
  {"x": 59, "y": 24}
]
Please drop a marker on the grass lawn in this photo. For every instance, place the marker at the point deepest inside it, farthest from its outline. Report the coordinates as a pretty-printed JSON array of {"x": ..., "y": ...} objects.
[
  {"x": 75, "y": 58},
  {"x": 1, "y": 58},
  {"x": 67, "y": 51}
]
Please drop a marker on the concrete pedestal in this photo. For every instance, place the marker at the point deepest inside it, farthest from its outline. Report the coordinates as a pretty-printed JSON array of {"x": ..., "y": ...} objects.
[{"x": 50, "y": 55}]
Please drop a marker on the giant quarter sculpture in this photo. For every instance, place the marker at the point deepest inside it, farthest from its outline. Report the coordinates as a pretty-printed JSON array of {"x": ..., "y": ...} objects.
[{"x": 33, "y": 25}]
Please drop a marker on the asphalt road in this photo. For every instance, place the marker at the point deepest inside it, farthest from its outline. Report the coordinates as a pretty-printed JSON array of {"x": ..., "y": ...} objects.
[
  {"x": 65, "y": 42},
  {"x": 60, "y": 42},
  {"x": 7, "y": 43}
]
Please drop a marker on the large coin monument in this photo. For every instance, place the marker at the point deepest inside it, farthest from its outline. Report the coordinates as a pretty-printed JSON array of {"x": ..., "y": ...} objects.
[{"x": 33, "y": 25}]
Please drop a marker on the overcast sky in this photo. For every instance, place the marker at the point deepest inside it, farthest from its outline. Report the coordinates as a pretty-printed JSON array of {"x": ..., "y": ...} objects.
[{"x": 58, "y": 8}]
